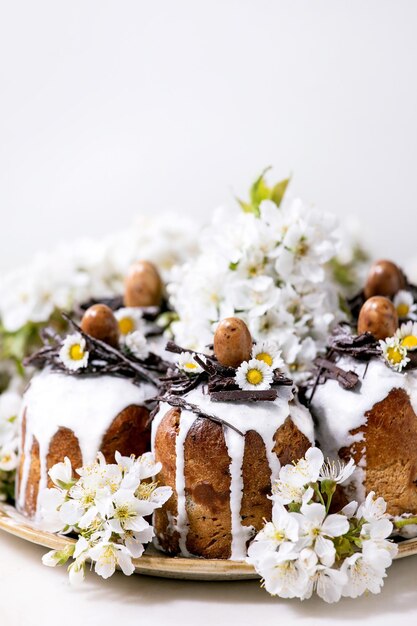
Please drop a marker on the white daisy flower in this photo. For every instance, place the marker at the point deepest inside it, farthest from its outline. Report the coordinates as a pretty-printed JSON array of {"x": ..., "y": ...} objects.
[
  {"x": 268, "y": 352},
  {"x": 73, "y": 353},
  {"x": 404, "y": 304},
  {"x": 407, "y": 335},
  {"x": 137, "y": 344},
  {"x": 254, "y": 374},
  {"x": 187, "y": 363},
  {"x": 129, "y": 320},
  {"x": 394, "y": 353}
]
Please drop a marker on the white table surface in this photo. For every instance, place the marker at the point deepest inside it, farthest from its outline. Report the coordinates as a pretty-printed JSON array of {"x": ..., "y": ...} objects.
[{"x": 32, "y": 594}]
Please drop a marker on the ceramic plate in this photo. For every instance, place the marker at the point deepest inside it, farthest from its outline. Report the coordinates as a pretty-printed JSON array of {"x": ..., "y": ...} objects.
[{"x": 154, "y": 563}]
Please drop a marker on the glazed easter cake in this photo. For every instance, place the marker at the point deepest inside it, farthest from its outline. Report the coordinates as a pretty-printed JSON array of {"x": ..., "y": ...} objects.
[
  {"x": 95, "y": 389},
  {"x": 222, "y": 446},
  {"x": 364, "y": 393}
]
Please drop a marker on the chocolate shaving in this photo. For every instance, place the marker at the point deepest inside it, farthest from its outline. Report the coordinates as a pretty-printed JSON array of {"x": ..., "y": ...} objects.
[
  {"x": 180, "y": 384},
  {"x": 193, "y": 408},
  {"x": 363, "y": 347},
  {"x": 241, "y": 395},
  {"x": 346, "y": 379},
  {"x": 281, "y": 379}
]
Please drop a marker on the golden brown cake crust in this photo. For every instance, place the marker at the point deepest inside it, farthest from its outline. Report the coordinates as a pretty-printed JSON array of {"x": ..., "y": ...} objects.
[
  {"x": 390, "y": 448},
  {"x": 129, "y": 433},
  {"x": 207, "y": 482}
]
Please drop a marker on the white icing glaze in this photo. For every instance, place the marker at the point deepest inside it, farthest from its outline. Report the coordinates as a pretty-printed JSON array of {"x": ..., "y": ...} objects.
[
  {"x": 339, "y": 411},
  {"x": 240, "y": 534},
  {"x": 85, "y": 405},
  {"x": 181, "y": 524},
  {"x": 262, "y": 417}
]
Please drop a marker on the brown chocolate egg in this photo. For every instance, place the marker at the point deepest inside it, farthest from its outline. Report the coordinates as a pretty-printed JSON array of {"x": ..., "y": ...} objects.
[
  {"x": 232, "y": 342},
  {"x": 384, "y": 279},
  {"x": 143, "y": 285},
  {"x": 99, "y": 322},
  {"x": 379, "y": 317}
]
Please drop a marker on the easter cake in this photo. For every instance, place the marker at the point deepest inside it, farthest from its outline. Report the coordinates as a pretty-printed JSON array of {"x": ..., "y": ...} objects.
[
  {"x": 363, "y": 394},
  {"x": 94, "y": 392},
  {"x": 224, "y": 426}
]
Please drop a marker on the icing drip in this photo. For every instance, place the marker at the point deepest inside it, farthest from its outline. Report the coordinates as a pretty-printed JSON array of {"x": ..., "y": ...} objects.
[
  {"x": 264, "y": 418},
  {"x": 340, "y": 411},
  {"x": 240, "y": 534},
  {"x": 87, "y": 406},
  {"x": 181, "y": 524}
]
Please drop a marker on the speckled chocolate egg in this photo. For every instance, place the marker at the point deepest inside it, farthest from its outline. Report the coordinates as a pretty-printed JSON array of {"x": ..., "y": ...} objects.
[
  {"x": 143, "y": 285},
  {"x": 384, "y": 279},
  {"x": 232, "y": 342},
  {"x": 379, "y": 317},
  {"x": 99, "y": 322}
]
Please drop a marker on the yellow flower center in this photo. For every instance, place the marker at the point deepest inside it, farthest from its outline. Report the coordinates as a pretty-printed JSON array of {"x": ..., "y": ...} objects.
[
  {"x": 190, "y": 366},
  {"x": 123, "y": 512},
  {"x": 76, "y": 352},
  {"x": 265, "y": 357},
  {"x": 409, "y": 342},
  {"x": 394, "y": 355},
  {"x": 126, "y": 325},
  {"x": 403, "y": 309},
  {"x": 254, "y": 377},
  {"x": 279, "y": 535}
]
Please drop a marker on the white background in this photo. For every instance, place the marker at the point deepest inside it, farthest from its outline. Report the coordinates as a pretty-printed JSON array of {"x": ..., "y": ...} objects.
[{"x": 110, "y": 108}]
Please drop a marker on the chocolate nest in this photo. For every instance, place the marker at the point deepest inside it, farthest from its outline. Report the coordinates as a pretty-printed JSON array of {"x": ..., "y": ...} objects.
[
  {"x": 219, "y": 382},
  {"x": 103, "y": 359},
  {"x": 343, "y": 342}
]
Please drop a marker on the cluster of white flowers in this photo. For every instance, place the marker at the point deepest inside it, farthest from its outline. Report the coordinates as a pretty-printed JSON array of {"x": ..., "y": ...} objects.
[
  {"x": 272, "y": 270},
  {"x": 84, "y": 269},
  {"x": 395, "y": 349},
  {"x": 306, "y": 549},
  {"x": 106, "y": 506},
  {"x": 10, "y": 404}
]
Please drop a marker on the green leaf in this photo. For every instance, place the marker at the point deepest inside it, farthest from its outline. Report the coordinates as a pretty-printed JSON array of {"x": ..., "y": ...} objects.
[
  {"x": 63, "y": 555},
  {"x": 246, "y": 206},
  {"x": 343, "y": 546},
  {"x": 260, "y": 191},
  {"x": 279, "y": 190}
]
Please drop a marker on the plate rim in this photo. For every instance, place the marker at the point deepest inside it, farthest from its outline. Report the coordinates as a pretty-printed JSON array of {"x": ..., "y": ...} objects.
[{"x": 153, "y": 562}]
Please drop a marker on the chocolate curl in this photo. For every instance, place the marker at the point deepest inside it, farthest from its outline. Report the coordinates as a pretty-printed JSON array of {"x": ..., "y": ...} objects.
[
  {"x": 328, "y": 369},
  {"x": 242, "y": 395},
  {"x": 363, "y": 346},
  {"x": 175, "y": 401}
]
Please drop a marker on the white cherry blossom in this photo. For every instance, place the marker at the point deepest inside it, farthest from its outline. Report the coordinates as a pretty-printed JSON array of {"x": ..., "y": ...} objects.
[
  {"x": 282, "y": 573},
  {"x": 107, "y": 555},
  {"x": 108, "y": 506},
  {"x": 283, "y": 527},
  {"x": 305, "y": 471},
  {"x": 337, "y": 471}
]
